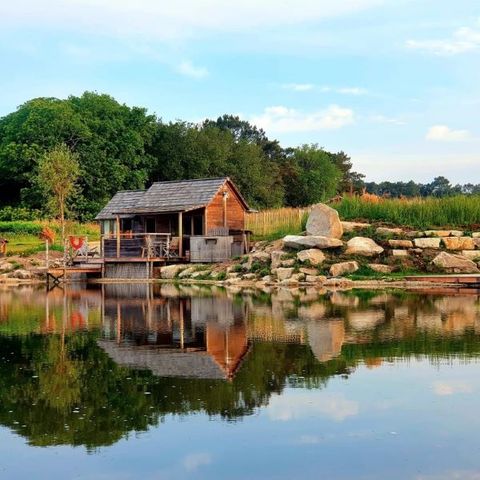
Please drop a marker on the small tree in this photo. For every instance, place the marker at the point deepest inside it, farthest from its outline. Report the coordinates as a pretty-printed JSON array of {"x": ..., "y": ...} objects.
[{"x": 58, "y": 171}]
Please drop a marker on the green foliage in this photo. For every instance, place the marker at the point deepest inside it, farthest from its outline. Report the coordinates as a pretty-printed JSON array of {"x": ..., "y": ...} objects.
[
  {"x": 32, "y": 228},
  {"x": 455, "y": 211},
  {"x": 313, "y": 176},
  {"x": 10, "y": 214},
  {"x": 121, "y": 147}
]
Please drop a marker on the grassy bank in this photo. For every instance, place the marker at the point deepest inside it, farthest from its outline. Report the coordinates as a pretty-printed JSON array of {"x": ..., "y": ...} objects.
[
  {"x": 425, "y": 213},
  {"x": 24, "y": 240}
]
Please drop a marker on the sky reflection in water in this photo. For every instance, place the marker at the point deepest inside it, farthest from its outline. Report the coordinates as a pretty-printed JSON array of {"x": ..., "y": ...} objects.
[{"x": 131, "y": 381}]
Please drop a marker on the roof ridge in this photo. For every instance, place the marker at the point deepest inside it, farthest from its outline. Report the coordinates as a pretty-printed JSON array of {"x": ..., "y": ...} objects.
[{"x": 192, "y": 180}]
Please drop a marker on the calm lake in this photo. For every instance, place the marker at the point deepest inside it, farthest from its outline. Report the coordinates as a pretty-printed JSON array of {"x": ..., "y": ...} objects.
[{"x": 133, "y": 381}]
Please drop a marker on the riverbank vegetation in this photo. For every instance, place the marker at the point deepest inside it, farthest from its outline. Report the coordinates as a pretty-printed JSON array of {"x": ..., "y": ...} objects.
[{"x": 24, "y": 236}]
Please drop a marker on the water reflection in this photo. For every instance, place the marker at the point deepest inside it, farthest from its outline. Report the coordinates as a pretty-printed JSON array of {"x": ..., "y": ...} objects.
[{"x": 87, "y": 366}]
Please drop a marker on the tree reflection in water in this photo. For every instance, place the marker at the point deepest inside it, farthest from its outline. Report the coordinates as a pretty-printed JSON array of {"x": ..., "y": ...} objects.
[{"x": 90, "y": 366}]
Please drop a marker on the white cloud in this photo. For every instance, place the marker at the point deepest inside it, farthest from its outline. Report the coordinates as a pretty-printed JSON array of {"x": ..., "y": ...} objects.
[
  {"x": 293, "y": 407},
  {"x": 464, "y": 39},
  {"x": 449, "y": 388},
  {"x": 190, "y": 70},
  {"x": 171, "y": 20},
  {"x": 387, "y": 120},
  {"x": 298, "y": 87},
  {"x": 443, "y": 133},
  {"x": 304, "y": 87},
  {"x": 194, "y": 461},
  {"x": 281, "y": 119}
]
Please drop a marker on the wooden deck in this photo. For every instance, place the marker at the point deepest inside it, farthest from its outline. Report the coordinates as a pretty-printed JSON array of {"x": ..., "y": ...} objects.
[{"x": 466, "y": 279}]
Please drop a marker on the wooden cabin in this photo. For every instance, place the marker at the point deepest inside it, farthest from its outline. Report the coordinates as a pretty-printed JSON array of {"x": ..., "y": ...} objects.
[{"x": 201, "y": 220}]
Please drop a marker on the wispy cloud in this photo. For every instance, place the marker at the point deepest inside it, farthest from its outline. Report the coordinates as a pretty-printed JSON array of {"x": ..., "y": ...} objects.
[
  {"x": 160, "y": 20},
  {"x": 305, "y": 87},
  {"x": 387, "y": 120},
  {"x": 188, "y": 69},
  {"x": 298, "y": 87},
  {"x": 194, "y": 461},
  {"x": 450, "y": 388},
  {"x": 462, "y": 40},
  {"x": 281, "y": 119},
  {"x": 443, "y": 133},
  {"x": 291, "y": 407}
]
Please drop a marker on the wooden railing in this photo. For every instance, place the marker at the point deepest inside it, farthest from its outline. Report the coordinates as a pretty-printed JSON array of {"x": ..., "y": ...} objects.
[{"x": 139, "y": 245}]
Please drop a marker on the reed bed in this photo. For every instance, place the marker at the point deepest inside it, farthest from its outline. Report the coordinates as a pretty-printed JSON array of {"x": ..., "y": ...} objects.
[
  {"x": 425, "y": 213},
  {"x": 274, "y": 223}
]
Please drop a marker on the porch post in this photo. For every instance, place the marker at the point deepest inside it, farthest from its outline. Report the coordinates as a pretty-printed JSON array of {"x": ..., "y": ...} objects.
[
  {"x": 180, "y": 234},
  {"x": 118, "y": 236}
]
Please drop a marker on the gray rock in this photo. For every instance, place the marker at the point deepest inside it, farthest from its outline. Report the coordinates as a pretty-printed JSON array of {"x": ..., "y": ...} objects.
[
  {"x": 170, "y": 271},
  {"x": 21, "y": 274},
  {"x": 290, "y": 262},
  {"x": 312, "y": 255},
  {"x": 363, "y": 246},
  {"x": 400, "y": 243},
  {"x": 342, "y": 268},
  {"x": 459, "y": 243},
  {"x": 324, "y": 221},
  {"x": 311, "y": 241},
  {"x": 427, "y": 242},
  {"x": 388, "y": 231},
  {"x": 380, "y": 268},
  {"x": 399, "y": 253},
  {"x": 276, "y": 258},
  {"x": 352, "y": 226},
  {"x": 284, "y": 273},
  {"x": 453, "y": 263}
]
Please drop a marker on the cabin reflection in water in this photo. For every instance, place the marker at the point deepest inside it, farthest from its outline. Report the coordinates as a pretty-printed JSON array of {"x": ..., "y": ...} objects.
[{"x": 192, "y": 337}]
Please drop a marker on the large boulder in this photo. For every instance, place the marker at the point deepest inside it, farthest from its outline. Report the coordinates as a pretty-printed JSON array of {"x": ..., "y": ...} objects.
[
  {"x": 259, "y": 257},
  {"x": 453, "y": 263},
  {"x": 312, "y": 255},
  {"x": 324, "y": 221},
  {"x": 300, "y": 242},
  {"x": 338, "y": 269},
  {"x": 363, "y": 246},
  {"x": 170, "y": 271},
  {"x": 459, "y": 243},
  {"x": 380, "y": 268},
  {"x": 443, "y": 233}
]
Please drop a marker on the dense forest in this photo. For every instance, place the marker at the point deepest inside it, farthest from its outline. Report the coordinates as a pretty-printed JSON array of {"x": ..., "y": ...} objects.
[{"x": 121, "y": 147}]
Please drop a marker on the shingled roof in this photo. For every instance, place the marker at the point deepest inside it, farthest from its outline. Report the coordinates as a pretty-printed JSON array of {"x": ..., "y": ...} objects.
[
  {"x": 164, "y": 197},
  {"x": 120, "y": 203},
  {"x": 165, "y": 362}
]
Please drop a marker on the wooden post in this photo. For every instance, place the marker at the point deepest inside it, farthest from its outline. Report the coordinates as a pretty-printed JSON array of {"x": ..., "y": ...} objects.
[
  {"x": 205, "y": 222},
  {"x": 102, "y": 245},
  {"x": 180, "y": 234},
  {"x": 192, "y": 226},
  {"x": 118, "y": 236},
  {"x": 47, "y": 262}
]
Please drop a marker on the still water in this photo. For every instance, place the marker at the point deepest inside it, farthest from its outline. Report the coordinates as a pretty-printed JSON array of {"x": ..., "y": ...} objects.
[{"x": 133, "y": 381}]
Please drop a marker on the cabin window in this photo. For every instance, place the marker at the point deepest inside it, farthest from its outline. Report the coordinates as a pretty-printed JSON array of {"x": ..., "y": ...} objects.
[
  {"x": 150, "y": 225},
  {"x": 127, "y": 225}
]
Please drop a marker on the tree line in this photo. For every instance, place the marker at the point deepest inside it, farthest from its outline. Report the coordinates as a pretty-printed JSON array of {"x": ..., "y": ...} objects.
[
  {"x": 120, "y": 147},
  {"x": 439, "y": 187}
]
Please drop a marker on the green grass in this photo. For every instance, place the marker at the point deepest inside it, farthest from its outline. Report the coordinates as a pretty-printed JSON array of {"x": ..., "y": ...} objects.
[
  {"x": 23, "y": 236},
  {"x": 425, "y": 213}
]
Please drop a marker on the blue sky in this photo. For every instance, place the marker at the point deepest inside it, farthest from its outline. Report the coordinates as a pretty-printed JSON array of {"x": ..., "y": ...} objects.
[{"x": 394, "y": 83}]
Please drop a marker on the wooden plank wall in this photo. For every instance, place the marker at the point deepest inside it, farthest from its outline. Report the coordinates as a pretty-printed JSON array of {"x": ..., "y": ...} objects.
[{"x": 235, "y": 211}]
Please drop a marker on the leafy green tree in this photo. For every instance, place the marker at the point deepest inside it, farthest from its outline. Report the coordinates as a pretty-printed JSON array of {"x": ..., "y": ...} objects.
[
  {"x": 58, "y": 171},
  {"x": 313, "y": 177}
]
